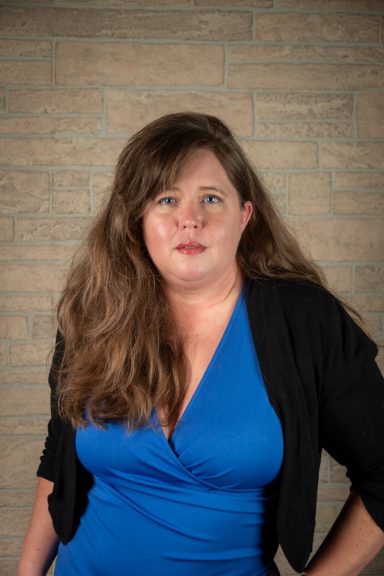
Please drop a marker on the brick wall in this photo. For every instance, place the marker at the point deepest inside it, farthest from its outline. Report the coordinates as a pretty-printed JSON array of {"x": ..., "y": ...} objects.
[{"x": 301, "y": 82}]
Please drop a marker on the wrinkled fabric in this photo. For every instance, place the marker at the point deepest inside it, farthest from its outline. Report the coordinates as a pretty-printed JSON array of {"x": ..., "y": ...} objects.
[{"x": 203, "y": 502}]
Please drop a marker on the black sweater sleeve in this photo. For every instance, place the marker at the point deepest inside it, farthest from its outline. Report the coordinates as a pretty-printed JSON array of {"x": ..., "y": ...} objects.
[
  {"x": 351, "y": 413},
  {"x": 46, "y": 468}
]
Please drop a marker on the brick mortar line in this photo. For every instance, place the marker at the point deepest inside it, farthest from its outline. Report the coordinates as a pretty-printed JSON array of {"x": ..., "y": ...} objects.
[
  {"x": 128, "y": 40},
  {"x": 332, "y": 191},
  {"x": 23, "y": 437},
  {"x": 6, "y": 100},
  {"x": 253, "y": 28},
  {"x": 92, "y": 191},
  {"x": 199, "y": 42},
  {"x": 53, "y": 62},
  {"x": 117, "y": 136},
  {"x": 26, "y": 417},
  {"x": 23, "y": 388},
  {"x": 50, "y": 262},
  {"x": 188, "y": 88},
  {"x": 87, "y": 217},
  {"x": 103, "y": 115},
  {"x": 24, "y": 58},
  {"x": 54, "y": 115},
  {"x": 153, "y": 7},
  {"x": 97, "y": 169},
  {"x": 219, "y": 89}
]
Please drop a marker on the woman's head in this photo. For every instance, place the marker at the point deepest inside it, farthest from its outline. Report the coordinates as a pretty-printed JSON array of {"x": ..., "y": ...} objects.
[{"x": 154, "y": 157}]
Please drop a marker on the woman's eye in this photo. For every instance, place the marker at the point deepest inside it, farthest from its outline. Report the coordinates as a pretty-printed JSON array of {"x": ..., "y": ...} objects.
[
  {"x": 167, "y": 201},
  {"x": 212, "y": 199}
]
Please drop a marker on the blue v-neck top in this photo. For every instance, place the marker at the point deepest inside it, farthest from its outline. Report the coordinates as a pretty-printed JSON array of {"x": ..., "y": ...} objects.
[{"x": 201, "y": 503}]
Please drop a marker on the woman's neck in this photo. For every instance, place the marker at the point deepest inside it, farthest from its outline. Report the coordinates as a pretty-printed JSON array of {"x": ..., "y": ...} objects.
[{"x": 193, "y": 309}]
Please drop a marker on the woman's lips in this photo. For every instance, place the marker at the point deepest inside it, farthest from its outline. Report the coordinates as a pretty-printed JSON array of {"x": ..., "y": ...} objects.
[{"x": 190, "y": 248}]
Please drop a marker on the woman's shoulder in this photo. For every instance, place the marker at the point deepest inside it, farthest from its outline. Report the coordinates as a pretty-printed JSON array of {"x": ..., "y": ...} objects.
[
  {"x": 310, "y": 311},
  {"x": 297, "y": 296}
]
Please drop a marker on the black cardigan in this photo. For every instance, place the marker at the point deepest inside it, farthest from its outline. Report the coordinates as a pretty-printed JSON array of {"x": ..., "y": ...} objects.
[{"x": 319, "y": 370}]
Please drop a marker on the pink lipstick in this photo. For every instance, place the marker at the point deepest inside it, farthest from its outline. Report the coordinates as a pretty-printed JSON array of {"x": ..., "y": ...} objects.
[{"x": 190, "y": 248}]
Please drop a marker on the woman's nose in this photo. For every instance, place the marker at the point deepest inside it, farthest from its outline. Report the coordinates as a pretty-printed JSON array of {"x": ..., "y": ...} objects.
[
  {"x": 190, "y": 223},
  {"x": 190, "y": 217}
]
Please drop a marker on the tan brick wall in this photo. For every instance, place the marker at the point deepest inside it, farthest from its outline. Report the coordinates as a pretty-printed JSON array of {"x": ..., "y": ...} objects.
[{"x": 301, "y": 82}]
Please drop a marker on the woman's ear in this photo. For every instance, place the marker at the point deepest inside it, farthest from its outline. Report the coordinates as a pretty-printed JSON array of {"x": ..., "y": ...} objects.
[{"x": 246, "y": 211}]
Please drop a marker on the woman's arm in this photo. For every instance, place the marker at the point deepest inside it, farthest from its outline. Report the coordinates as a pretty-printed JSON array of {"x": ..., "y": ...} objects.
[
  {"x": 41, "y": 541},
  {"x": 351, "y": 544}
]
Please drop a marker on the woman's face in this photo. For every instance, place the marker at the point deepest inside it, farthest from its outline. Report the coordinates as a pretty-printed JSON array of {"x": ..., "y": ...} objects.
[{"x": 192, "y": 231}]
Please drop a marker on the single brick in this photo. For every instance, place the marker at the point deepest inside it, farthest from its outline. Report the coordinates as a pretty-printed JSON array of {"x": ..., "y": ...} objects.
[
  {"x": 137, "y": 64},
  {"x": 101, "y": 188},
  {"x": 11, "y": 547},
  {"x": 18, "y": 462},
  {"x": 39, "y": 252},
  {"x": 25, "y": 303},
  {"x": 333, "y": 5},
  {"x": 51, "y": 228},
  {"x": 356, "y": 202},
  {"x": 274, "y": 180},
  {"x": 294, "y": 106},
  {"x": 279, "y": 155},
  {"x": 368, "y": 303},
  {"x": 13, "y": 327},
  {"x": 358, "y": 180},
  {"x": 305, "y": 76},
  {"x": 237, "y": 3},
  {"x": 70, "y": 201},
  {"x": 30, "y": 48},
  {"x": 28, "y": 375},
  {"x": 23, "y": 425},
  {"x": 56, "y": 101},
  {"x": 89, "y": 23},
  {"x": 70, "y": 178},
  {"x": 28, "y": 125},
  {"x": 35, "y": 354},
  {"x": 63, "y": 152},
  {"x": 369, "y": 278},
  {"x": 12, "y": 401},
  {"x": 32, "y": 278},
  {"x": 370, "y": 115},
  {"x": 335, "y": 239},
  {"x": 13, "y": 522},
  {"x": 44, "y": 326},
  {"x": 296, "y": 53},
  {"x": 352, "y": 155},
  {"x": 24, "y": 192},
  {"x": 6, "y": 229},
  {"x": 303, "y": 130},
  {"x": 25, "y": 72},
  {"x": 307, "y": 27},
  {"x": 309, "y": 193},
  {"x": 339, "y": 278}
]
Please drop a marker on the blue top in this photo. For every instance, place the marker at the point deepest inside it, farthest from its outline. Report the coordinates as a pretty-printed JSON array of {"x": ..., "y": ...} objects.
[{"x": 201, "y": 503}]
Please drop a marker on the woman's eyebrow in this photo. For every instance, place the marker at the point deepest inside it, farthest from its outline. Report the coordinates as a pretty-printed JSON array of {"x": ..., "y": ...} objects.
[
  {"x": 208, "y": 188},
  {"x": 212, "y": 187}
]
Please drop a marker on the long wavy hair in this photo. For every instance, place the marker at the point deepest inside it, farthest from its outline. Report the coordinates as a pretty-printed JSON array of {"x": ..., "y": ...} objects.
[{"x": 123, "y": 354}]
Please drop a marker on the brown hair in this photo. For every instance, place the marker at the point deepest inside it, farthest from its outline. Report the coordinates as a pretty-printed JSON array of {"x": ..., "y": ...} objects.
[{"x": 123, "y": 355}]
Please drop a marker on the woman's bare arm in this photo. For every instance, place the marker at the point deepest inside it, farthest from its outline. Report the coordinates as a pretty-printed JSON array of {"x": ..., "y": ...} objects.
[
  {"x": 41, "y": 541},
  {"x": 351, "y": 544}
]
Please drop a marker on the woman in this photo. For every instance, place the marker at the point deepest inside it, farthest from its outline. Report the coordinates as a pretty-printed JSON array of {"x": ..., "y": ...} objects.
[{"x": 200, "y": 367}]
